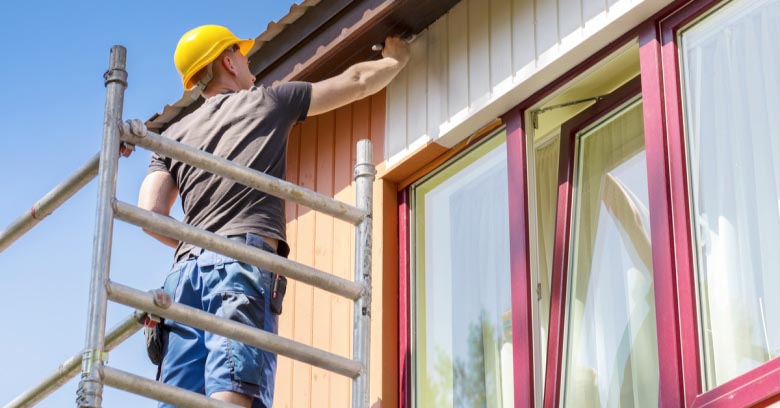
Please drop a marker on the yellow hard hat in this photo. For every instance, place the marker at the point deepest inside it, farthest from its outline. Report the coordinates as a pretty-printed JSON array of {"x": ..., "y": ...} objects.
[{"x": 200, "y": 46}]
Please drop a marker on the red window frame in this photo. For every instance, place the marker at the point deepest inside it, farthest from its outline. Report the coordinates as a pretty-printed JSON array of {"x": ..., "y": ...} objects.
[
  {"x": 520, "y": 262},
  {"x": 659, "y": 57},
  {"x": 673, "y": 262}
]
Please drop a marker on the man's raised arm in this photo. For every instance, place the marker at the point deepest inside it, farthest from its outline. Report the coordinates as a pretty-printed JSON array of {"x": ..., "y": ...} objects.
[{"x": 360, "y": 80}]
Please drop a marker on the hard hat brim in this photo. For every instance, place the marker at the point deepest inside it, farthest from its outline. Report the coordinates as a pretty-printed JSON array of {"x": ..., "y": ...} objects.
[{"x": 245, "y": 46}]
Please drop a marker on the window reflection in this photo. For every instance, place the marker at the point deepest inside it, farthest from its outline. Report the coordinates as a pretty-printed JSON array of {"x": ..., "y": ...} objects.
[
  {"x": 463, "y": 343},
  {"x": 611, "y": 355}
]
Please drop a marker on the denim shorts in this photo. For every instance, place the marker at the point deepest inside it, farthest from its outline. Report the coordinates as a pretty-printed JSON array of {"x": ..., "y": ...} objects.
[{"x": 207, "y": 363}]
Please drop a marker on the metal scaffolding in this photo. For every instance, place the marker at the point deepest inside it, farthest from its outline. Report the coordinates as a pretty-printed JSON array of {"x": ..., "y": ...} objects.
[{"x": 94, "y": 373}]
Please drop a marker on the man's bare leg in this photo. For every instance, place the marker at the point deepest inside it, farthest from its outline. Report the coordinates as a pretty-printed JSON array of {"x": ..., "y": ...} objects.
[{"x": 233, "y": 398}]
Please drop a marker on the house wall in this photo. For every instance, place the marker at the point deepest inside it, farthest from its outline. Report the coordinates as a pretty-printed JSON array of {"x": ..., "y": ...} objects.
[
  {"x": 468, "y": 68},
  {"x": 321, "y": 156},
  {"x": 485, "y": 56}
]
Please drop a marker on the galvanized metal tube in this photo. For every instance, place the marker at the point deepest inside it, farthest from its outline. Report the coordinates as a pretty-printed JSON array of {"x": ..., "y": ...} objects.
[
  {"x": 90, "y": 391},
  {"x": 234, "y": 330},
  {"x": 246, "y": 176},
  {"x": 365, "y": 172},
  {"x": 71, "y": 366},
  {"x": 161, "y": 392},
  {"x": 50, "y": 202},
  {"x": 251, "y": 255}
]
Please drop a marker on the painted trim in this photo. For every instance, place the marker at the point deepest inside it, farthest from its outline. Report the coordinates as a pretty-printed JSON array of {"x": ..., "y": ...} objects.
[
  {"x": 519, "y": 254},
  {"x": 760, "y": 384},
  {"x": 424, "y": 164},
  {"x": 668, "y": 251},
  {"x": 552, "y": 389},
  {"x": 404, "y": 327},
  {"x": 678, "y": 208}
]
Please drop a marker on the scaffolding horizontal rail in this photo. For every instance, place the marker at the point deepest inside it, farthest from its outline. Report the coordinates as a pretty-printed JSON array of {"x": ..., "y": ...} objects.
[
  {"x": 138, "y": 135},
  {"x": 72, "y": 366},
  {"x": 50, "y": 202},
  {"x": 161, "y": 392},
  {"x": 262, "y": 259},
  {"x": 237, "y": 331}
]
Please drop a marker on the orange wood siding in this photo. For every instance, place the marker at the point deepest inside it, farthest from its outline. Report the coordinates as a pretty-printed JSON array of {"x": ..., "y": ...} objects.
[{"x": 321, "y": 156}]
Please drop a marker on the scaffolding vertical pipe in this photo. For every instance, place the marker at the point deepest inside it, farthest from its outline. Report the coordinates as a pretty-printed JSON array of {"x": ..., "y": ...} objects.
[
  {"x": 90, "y": 391},
  {"x": 364, "y": 179}
]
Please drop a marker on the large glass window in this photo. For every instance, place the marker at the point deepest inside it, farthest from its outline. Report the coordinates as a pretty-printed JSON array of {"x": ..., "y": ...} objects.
[
  {"x": 462, "y": 332},
  {"x": 611, "y": 357},
  {"x": 543, "y": 141},
  {"x": 731, "y": 84}
]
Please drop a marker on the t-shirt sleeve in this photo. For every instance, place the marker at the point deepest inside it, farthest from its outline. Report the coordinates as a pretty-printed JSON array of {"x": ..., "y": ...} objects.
[
  {"x": 158, "y": 163},
  {"x": 292, "y": 98}
]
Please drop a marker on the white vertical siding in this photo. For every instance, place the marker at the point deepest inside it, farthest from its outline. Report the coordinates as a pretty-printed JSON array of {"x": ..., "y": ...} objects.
[
  {"x": 546, "y": 34},
  {"x": 478, "y": 49},
  {"x": 500, "y": 44},
  {"x": 397, "y": 105},
  {"x": 417, "y": 114},
  {"x": 438, "y": 98},
  {"x": 457, "y": 60},
  {"x": 485, "y": 56},
  {"x": 523, "y": 19}
]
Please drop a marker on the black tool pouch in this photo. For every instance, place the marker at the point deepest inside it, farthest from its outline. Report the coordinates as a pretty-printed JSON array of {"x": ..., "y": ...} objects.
[
  {"x": 153, "y": 331},
  {"x": 279, "y": 288}
]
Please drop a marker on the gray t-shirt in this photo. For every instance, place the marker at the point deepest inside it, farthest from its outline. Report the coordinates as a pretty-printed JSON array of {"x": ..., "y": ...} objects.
[{"x": 249, "y": 127}]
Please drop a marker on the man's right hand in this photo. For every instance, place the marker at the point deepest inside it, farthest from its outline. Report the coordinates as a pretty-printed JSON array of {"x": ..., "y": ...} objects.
[
  {"x": 397, "y": 49},
  {"x": 360, "y": 80}
]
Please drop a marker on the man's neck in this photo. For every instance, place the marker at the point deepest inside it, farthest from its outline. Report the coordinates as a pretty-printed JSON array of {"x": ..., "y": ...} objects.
[{"x": 219, "y": 88}]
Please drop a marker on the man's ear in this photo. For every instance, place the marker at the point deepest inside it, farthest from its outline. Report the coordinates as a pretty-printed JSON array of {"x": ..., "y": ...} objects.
[{"x": 229, "y": 65}]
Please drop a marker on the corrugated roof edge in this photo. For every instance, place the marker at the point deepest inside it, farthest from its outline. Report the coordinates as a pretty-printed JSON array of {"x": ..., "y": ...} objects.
[{"x": 169, "y": 112}]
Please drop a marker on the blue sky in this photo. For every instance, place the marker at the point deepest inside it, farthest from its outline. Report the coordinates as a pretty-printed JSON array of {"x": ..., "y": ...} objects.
[{"x": 52, "y": 58}]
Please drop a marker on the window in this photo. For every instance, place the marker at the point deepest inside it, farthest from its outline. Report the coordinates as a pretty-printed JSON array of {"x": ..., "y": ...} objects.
[
  {"x": 602, "y": 270},
  {"x": 461, "y": 336},
  {"x": 543, "y": 141},
  {"x": 731, "y": 93},
  {"x": 611, "y": 356}
]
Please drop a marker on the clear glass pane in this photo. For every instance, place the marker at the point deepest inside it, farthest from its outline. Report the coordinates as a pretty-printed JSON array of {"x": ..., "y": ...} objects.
[
  {"x": 731, "y": 82},
  {"x": 546, "y": 173},
  {"x": 611, "y": 358},
  {"x": 462, "y": 329}
]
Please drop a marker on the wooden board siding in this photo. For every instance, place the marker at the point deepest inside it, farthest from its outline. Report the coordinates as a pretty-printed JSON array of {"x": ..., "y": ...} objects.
[
  {"x": 484, "y": 56},
  {"x": 321, "y": 156}
]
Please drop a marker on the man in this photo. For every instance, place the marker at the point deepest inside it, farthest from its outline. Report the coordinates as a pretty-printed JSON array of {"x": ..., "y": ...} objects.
[{"x": 249, "y": 125}]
